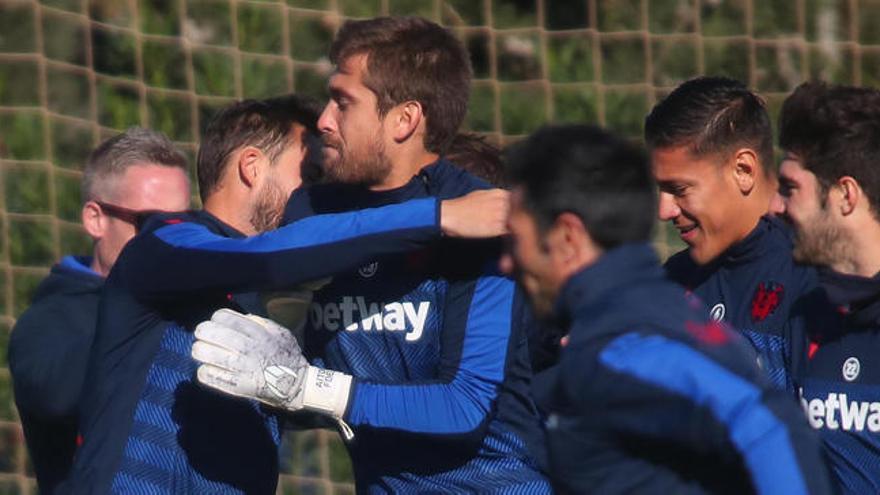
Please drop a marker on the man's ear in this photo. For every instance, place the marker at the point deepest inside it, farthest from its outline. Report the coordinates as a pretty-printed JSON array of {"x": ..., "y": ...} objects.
[
  {"x": 850, "y": 195},
  {"x": 574, "y": 246},
  {"x": 406, "y": 118},
  {"x": 745, "y": 170},
  {"x": 94, "y": 220},
  {"x": 248, "y": 165}
]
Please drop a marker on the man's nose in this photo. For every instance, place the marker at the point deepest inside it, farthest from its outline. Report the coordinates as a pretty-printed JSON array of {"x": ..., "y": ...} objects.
[{"x": 668, "y": 208}]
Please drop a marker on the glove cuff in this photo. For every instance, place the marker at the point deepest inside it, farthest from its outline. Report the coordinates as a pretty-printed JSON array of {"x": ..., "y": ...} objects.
[{"x": 326, "y": 391}]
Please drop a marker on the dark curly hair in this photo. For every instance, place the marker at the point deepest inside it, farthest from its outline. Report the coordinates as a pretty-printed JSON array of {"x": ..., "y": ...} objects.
[{"x": 835, "y": 130}]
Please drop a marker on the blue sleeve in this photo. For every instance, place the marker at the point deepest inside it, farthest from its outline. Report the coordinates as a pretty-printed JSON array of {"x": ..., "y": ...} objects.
[
  {"x": 476, "y": 335},
  {"x": 187, "y": 257},
  {"x": 706, "y": 406}
]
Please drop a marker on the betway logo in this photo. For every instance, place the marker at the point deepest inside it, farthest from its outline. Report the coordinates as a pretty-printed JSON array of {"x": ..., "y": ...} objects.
[
  {"x": 836, "y": 412},
  {"x": 353, "y": 314}
]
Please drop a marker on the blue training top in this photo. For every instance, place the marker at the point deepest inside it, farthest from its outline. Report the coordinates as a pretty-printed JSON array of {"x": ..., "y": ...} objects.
[
  {"x": 652, "y": 396},
  {"x": 436, "y": 344},
  {"x": 841, "y": 382},
  {"x": 757, "y": 288}
]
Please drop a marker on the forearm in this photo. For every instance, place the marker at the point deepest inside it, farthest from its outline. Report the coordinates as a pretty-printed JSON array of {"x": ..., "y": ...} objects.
[
  {"x": 187, "y": 258},
  {"x": 455, "y": 408}
]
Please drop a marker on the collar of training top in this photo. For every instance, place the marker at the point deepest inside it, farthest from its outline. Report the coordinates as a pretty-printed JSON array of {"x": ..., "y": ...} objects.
[
  {"x": 622, "y": 266},
  {"x": 79, "y": 264},
  {"x": 224, "y": 228},
  {"x": 424, "y": 182},
  {"x": 158, "y": 220},
  {"x": 71, "y": 275},
  {"x": 754, "y": 245},
  {"x": 859, "y": 296}
]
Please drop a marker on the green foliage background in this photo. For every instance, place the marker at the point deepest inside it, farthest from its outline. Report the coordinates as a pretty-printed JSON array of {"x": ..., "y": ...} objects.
[{"x": 73, "y": 72}]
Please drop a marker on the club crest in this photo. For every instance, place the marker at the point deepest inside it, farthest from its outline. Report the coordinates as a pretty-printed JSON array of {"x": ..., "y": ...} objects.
[
  {"x": 368, "y": 271},
  {"x": 766, "y": 299}
]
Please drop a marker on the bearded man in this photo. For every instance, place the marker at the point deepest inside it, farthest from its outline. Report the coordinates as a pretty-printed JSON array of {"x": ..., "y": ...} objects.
[{"x": 829, "y": 191}]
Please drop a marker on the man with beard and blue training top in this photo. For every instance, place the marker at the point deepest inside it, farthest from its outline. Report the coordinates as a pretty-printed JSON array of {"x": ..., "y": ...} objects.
[
  {"x": 128, "y": 175},
  {"x": 711, "y": 147},
  {"x": 830, "y": 192},
  {"x": 424, "y": 355},
  {"x": 147, "y": 426},
  {"x": 651, "y": 396}
]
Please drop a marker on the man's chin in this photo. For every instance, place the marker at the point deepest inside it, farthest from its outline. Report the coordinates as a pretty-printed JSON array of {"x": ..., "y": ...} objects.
[
  {"x": 330, "y": 156},
  {"x": 334, "y": 170},
  {"x": 542, "y": 304},
  {"x": 700, "y": 255},
  {"x": 806, "y": 255},
  {"x": 800, "y": 257}
]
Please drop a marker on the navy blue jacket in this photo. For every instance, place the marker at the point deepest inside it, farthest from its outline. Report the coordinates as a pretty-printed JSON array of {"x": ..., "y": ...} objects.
[
  {"x": 841, "y": 383},
  {"x": 147, "y": 426},
  {"x": 757, "y": 288},
  {"x": 652, "y": 396},
  {"x": 48, "y": 357},
  {"x": 436, "y": 343}
]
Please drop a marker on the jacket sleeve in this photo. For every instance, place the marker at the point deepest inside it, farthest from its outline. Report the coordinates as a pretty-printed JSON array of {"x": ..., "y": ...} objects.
[
  {"x": 186, "y": 257},
  {"x": 694, "y": 401},
  {"x": 475, "y": 339}
]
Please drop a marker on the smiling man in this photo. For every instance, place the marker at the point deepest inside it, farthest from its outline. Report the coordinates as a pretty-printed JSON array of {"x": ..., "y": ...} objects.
[
  {"x": 711, "y": 148},
  {"x": 830, "y": 193}
]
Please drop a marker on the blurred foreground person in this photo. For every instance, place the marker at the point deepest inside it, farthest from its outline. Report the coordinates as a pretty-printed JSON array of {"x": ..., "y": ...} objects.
[
  {"x": 128, "y": 175},
  {"x": 481, "y": 158},
  {"x": 651, "y": 395},
  {"x": 830, "y": 192},
  {"x": 711, "y": 147}
]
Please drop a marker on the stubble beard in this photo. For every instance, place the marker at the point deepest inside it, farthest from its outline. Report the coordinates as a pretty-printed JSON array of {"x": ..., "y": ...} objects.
[
  {"x": 267, "y": 212},
  {"x": 368, "y": 168},
  {"x": 821, "y": 242},
  {"x": 542, "y": 304}
]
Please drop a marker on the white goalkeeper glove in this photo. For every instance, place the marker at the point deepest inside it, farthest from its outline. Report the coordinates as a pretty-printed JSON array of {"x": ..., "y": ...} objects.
[{"x": 252, "y": 357}]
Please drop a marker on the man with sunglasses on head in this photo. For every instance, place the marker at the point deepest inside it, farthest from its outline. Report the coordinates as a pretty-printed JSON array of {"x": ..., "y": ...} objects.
[{"x": 136, "y": 171}]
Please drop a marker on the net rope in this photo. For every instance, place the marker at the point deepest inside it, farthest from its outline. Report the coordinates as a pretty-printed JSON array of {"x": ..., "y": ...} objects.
[{"x": 74, "y": 72}]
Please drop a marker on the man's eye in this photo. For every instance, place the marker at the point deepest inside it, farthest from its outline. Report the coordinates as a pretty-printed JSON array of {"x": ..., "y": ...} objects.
[
  {"x": 785, "y": 189},
  {"x": 678, "y": 190}
]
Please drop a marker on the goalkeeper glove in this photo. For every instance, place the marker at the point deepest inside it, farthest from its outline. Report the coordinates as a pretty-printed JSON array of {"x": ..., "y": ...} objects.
[{"x": 252, "y": 357}]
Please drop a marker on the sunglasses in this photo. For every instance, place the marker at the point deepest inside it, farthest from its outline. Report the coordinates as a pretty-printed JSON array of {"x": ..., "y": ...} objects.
[{"x": 127, "y": 215}]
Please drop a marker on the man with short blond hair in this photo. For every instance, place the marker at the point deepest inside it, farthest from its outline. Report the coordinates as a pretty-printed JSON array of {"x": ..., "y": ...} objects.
[{"x": 132, "y": 173}]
